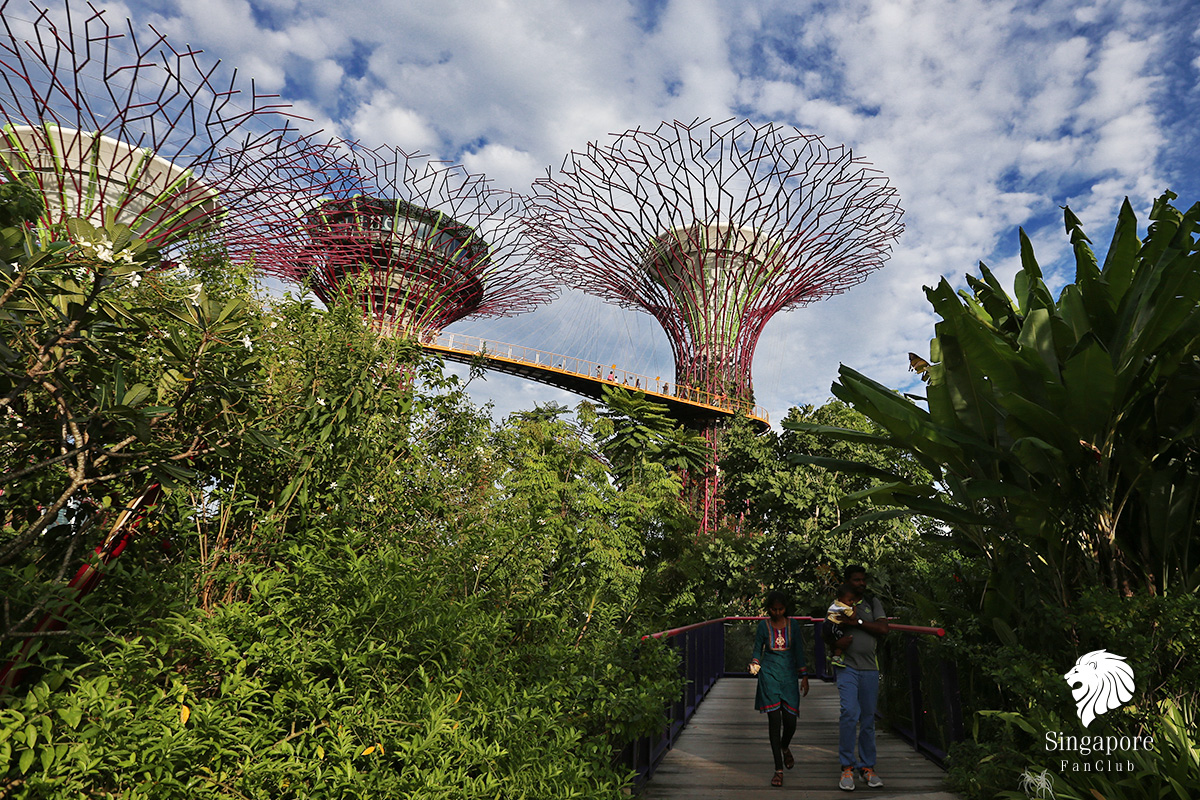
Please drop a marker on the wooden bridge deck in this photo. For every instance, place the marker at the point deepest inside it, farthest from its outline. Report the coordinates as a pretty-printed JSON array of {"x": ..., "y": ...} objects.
[{"x": 724, "y": 754}]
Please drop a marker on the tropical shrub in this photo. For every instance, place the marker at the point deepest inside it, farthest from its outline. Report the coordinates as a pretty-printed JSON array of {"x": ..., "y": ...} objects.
[
  {"x": 1064, "y": 432},
  {"x": 784, "y": 491},
  {"x": 355, "y": 584}
]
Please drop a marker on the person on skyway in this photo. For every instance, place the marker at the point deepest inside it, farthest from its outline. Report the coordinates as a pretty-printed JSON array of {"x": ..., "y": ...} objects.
[
  {"x": 858, "y": 682},
  {"x": 777, "y": 660}
]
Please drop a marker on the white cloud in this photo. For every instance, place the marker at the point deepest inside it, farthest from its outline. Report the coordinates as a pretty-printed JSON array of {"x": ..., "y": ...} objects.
[
  {"x": 504, "y": 165},
  {"x": 383, "y": 120},
  {"x": 986, "y": 114}
]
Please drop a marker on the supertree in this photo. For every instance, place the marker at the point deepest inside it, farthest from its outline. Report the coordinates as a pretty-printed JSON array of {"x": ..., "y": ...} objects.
[
  {"x": 104, "y": 120},
  {"x": 419, "y": 243},
  {"x": 712, "y": 229}
]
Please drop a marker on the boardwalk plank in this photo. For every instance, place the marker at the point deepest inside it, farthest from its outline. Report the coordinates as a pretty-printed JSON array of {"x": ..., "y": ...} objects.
[{"x": 723, "y": 754}]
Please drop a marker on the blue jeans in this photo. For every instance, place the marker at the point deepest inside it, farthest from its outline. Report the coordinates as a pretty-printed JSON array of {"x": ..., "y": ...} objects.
[{"x": 858, "y": 691}]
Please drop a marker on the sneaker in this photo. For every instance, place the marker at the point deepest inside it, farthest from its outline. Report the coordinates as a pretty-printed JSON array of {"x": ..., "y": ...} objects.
[
  {"x": 871, "y": 778},
  {"x": 838, "y": 661},
  {"x": 847, "y": 781}
]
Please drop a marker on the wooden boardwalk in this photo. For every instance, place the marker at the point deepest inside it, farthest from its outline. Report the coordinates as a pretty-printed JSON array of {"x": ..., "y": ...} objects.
[{"x": 724, "y": 754}]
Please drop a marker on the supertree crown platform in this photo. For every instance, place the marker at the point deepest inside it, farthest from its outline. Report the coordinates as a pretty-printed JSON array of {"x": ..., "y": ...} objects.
[
  {"x": 712, "y": 229},
  {"x": 419, "y": 243},
  {"x": 106, "y": 122}
]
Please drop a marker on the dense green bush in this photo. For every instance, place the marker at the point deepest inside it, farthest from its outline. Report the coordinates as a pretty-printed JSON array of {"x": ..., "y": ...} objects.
[
  {"x": 782, "y": 494},
  {"x": 356, "y": 583},
  {"x": 348, "y": 670},
  {"x": 1014, "y": 691}
]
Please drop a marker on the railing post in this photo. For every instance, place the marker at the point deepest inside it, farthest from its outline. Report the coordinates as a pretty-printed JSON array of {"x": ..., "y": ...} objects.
[
  {"x": 820, "y": 657},
  {"x": 694, "y": 683},
  {"x": 716, "y": 662},
  {"x": 954, "y": 720},
  {"x": 693, "y": 663},
  {"x": 916, "y": 703},
  {"x": 680, "y": 706}
]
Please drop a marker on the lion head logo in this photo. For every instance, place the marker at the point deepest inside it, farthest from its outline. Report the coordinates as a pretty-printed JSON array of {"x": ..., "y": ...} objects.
[{"x": 1104, "y": 681}]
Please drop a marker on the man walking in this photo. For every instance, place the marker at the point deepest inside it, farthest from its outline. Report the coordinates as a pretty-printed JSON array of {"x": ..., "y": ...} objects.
[{"x": 858, "y": 683}]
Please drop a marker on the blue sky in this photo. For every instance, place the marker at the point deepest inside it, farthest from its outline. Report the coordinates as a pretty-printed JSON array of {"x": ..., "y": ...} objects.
[{"x": 985, "y": 115}]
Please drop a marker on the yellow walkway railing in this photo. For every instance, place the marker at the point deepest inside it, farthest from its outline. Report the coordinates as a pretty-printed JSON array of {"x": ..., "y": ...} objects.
[{"x": 463, "y": 345}]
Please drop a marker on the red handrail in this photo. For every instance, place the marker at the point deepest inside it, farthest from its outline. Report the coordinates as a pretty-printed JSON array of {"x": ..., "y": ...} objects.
[{"x": 923, "y": 629}]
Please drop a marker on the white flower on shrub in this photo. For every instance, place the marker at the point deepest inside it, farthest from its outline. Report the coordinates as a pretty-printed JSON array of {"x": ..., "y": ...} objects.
[{"x": 102, "y": 250}]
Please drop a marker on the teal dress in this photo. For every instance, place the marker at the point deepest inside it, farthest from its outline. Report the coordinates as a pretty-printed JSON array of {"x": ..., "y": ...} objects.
[{"x": 780, "y": 654}]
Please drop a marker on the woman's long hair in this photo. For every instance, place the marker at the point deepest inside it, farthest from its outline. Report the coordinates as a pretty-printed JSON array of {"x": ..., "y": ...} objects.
[{"x": 781, "y": 598}]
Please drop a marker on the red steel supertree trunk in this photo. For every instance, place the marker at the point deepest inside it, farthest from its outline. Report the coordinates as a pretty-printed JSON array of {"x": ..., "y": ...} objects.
[
  {"x": 418, "y": 243},
  {"x": 712, "y": 229},
  {"x": 104, "y": 120}
]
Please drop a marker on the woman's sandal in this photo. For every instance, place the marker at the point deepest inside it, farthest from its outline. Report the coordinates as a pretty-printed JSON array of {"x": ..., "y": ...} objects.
[
  {"x": 788, "y": 761},
  {"x": 778, "y": 779}
]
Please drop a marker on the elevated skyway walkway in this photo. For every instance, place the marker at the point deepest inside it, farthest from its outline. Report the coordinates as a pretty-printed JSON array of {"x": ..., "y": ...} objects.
[
  {"x": 587, "y": 378},
  {"x": 713, "y": 744},
  {"x": 724, "y": 753}
]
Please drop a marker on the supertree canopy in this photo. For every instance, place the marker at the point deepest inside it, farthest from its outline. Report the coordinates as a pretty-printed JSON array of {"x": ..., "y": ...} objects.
[
  {"x": 419, "y": 243},
  {"x": 103, "y": 121},
  {"x": 712, "y": 229}
]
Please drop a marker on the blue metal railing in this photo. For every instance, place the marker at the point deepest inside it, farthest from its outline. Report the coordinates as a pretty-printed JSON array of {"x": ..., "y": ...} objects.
[
  {"x": 701, "y": 649},
  {"x": 922, "y": 704}
]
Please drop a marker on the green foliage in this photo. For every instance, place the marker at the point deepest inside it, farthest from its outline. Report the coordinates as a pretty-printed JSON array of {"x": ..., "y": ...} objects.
[
  {"x": 100, "y": 394},
  {"x": 1064, "y": 431},
  {"x": 345, "y": 671},
  {"x": 1013, "y": 689},
  {"x": 355, "y": 585},
  {"x": 786, "y": 490},
  {"x": 1170, "y": 770},
  {"x": 20, "y": 202},
  {"x": 95, "y": 390},
  {"x": 1061, "y": 436},
  {"x": 567, "y": 518},
  {"x": 642, "y": 432}
]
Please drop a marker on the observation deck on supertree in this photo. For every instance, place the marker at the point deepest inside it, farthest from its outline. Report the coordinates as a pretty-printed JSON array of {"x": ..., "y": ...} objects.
[
  {"x": 102, "y": 120},
  {"x": 418, "y": 243},
  {"x": 712, "y": 229}
]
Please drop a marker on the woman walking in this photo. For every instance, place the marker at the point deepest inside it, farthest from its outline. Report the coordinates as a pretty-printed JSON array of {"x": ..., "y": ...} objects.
[{"x": 778, "y": 659}]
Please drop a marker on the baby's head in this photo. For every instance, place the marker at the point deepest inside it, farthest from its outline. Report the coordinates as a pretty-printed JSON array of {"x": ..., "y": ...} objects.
[{"x": 846, "y": 594}]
